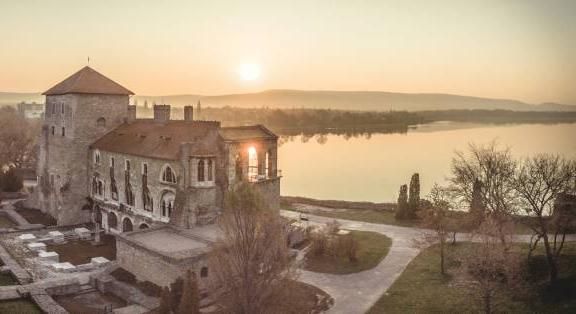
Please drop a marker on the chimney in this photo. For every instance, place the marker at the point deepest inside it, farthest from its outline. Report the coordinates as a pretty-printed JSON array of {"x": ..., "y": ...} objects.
[
  {"x": 131, "y": 113},
  {"x": 189, "y": 113},
  {"x": 161, "y": 113}
]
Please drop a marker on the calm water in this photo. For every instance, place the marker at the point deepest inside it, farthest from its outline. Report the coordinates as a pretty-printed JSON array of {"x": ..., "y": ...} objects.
[{"x": 372, "y": 168}]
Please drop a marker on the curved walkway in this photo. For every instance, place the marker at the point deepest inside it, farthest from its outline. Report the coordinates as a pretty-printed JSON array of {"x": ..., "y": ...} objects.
[{"x": 356, "y": 293}]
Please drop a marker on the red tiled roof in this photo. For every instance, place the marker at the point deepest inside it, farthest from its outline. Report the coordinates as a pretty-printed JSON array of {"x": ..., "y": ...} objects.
[
  {"x": 245, "y": 133},
  {"x": 147, "y": 138},
  {"x": 88, "y": 81}
]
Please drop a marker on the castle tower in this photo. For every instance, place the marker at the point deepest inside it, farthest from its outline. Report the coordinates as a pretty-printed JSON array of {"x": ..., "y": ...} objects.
[{"x": 79, "y": 110}]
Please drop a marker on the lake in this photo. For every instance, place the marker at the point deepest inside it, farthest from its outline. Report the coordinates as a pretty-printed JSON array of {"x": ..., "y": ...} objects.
[{"x": 372, "y": 167}]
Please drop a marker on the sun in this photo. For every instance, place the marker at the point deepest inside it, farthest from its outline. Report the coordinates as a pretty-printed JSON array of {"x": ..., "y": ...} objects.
[{"x": 249, "y": 71}]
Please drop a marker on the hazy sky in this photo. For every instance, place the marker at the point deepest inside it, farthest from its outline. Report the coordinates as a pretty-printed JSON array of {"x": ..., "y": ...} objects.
[{"x": 518, "y": 49}]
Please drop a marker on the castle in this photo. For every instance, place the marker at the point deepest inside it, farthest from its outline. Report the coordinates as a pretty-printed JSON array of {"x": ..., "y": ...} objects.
[{"x": 153, "y": 182}]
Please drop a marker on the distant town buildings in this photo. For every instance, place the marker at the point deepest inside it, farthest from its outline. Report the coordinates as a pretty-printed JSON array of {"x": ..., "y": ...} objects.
[{"x": 31, "y": 110}]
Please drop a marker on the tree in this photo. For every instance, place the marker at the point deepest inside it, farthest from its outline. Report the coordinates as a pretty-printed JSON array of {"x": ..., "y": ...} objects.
[
  {"x": 402, "y": 210},
  {"x": 165, "y": 302},
  {"x": 490, "y": 264},
  {"x": 436, "y": 217},
  {"x": 539, "y": 182},
  {"x": 251, "y": 260},
  {"x": 190, "y": 299},
  {"x": 17, "y": 139},
  {"x": 494, "y": 168},
  {"x": 414, "y": 196},
  {"x": 10, "y": 181}
]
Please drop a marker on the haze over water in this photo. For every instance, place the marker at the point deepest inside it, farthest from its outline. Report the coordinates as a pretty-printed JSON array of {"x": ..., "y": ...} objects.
[{"x": 372, "y": 168}]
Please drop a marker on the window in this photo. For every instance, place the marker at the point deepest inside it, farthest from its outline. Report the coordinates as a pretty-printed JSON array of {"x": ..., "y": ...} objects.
[
  {"x": 167, "y": 204},
  {"x": 204, "y": 272},
  {"x": 252, "y": 163},
  {"x": 210, "y": 170},
  {"x": 127, "y": 165},
  {"x": 112, "y": 162},
  {"x": 53, "y": 130},
  {"x": 168, "y": 175},
  {"x": 147, "y": 200},
  {"x": 53, "y": 108},
  {"x": 129, "y": 195},
  {"x": 62, "y": 109},
  {"x": 201, "y": 170},
  {"x": 63, "y": 131},
  {"x": 113, "y": 190},
  {"x": 144, "y": 168},
  {"x": 97, "y": 157},
  {"x": 101, "y": 122}
]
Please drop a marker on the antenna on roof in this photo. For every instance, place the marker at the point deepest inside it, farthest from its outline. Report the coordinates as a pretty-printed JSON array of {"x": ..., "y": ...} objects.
[{"x": 88, "y": 60}]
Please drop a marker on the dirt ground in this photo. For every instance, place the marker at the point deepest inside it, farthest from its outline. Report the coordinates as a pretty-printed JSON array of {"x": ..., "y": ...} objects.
[{"x": 81, "y": 252}]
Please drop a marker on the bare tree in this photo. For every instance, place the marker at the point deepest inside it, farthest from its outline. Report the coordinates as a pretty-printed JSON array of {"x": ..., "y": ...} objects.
[
  {"x": 17, "y": 138},
  {"x": 490, "y": 170},
  {"x": 490, "y": 265},
  {"x": 538, "y": 182},
  {"x": 251, "y": 260},
  {"x": 435, "y": 217}
]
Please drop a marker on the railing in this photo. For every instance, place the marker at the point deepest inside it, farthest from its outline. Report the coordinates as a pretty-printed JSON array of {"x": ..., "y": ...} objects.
[{"x": 264, "y": 177}]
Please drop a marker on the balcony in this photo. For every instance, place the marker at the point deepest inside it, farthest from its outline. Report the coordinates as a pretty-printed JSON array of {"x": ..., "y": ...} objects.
[{"x": 264, "y": 177}]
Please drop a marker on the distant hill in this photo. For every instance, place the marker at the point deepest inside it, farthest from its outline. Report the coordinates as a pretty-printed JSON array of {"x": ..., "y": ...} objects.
[
  {"x": 345, "y": 100},
  {"x": 362, "y": 100}
]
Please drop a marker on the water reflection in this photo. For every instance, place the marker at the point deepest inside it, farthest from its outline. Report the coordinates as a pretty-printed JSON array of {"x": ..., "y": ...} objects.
[{"x": 370, "y": 166}]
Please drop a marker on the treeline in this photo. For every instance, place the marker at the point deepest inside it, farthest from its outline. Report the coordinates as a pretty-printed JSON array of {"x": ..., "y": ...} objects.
[
  {"x": 324, "y": 121},
  {"x": 498, "y": 116}
]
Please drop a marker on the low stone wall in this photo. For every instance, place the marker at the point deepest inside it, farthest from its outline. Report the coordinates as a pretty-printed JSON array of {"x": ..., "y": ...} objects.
[{"x": 147, "y": 265}]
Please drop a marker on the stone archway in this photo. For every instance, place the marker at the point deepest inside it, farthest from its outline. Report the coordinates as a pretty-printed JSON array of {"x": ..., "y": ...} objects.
[
  {"x": 127, "y": 225},
  {"x": 112, "y": 220},
  {"x": 143, "y": 226}
]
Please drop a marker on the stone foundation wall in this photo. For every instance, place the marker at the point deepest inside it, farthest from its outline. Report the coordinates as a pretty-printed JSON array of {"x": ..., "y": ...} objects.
[
  {"x": 151, "y": 266},
  {"x": 270, "y": 192}
]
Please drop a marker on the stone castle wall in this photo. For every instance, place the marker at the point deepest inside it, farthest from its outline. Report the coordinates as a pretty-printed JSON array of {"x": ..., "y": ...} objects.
[{"x": 63, "y": 162}]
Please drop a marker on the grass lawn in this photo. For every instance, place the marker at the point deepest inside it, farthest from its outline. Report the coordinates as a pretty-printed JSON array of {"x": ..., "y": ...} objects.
[
  {"x": 422, "y": 289},
  {"x": 81, "y": 252},
  {"x": 5, "y": 222},
  {"x": 385, "y": 217},
  {"x": 372, "y": 248},
  {"x": 298, "y": 297},
  {"x": 366, "y": 215},
  {"x": 20, "y": 306}
]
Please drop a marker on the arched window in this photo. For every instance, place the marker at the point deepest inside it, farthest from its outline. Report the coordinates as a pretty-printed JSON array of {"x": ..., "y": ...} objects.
[
  {"x": 210, "y": 170},
  {"x": 127, "y": 225},
  {"x": 204, "y": 272},
  {"x": 167, "y": 204},
  {"x": 100, "y": 188},
  {"x": 101, "y": 122},
  {"x": 201, "y": 170},
  {"x": 168, "y": 175}
]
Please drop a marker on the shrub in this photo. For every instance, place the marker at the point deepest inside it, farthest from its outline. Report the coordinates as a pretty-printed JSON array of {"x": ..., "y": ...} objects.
[
  {"x": 10, "y": 181},
  {"x": 319, "y": 244}
]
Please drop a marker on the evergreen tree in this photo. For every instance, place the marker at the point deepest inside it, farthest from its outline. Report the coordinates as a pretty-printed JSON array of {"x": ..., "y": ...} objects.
[
  {"x": 165, "y": 302},
  {"x": 401, "y": 211},
  {"x": 414, "y": 197},
  {"x": 190, "y": 300},
  {"x": 476, "y": 203}
]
